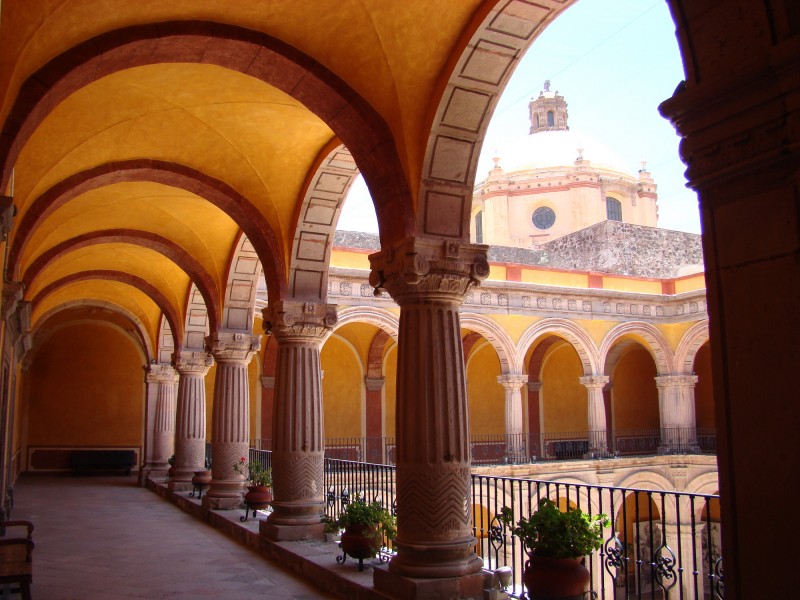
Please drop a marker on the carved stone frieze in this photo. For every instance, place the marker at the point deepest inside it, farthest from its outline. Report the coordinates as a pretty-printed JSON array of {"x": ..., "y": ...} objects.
[
  {"x": 429, "y": 266},
  {"x": 291, "y": 319},
  {"x": 161, "y": 373},
  {"x": 231, "y": 346}
]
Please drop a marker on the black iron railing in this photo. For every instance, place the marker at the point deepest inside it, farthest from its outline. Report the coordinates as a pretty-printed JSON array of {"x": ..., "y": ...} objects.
[
  {"x": 537, "y": 447},
  {"x": 659, "y": 544}
]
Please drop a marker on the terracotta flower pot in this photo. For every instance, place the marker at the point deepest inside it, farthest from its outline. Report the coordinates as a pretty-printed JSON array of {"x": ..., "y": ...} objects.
[
  {"x": 201, "y": 479},
  {"x": 555, "y": 577},
  {"x": 258, "y": 497},
  {"x": 361, "y": 541}
]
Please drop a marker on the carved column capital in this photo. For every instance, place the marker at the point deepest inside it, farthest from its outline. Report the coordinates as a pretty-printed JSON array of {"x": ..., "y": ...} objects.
[
  {"x": 299, "y": 321},
  {"x": 374, "y": 384},
  {"x": 233, "y": 346},
  {"x": 192, "y": 363},
  {"x": 512, "y": 381},
  {"x": 429, "y": 267},
  {"x": 161, "y": 373},
  {"x": 595, "y": 381},
  {"x": 12, "y": 294},
  {"x": 534, "y": 386},
  {"x": 664, "y": 381}
]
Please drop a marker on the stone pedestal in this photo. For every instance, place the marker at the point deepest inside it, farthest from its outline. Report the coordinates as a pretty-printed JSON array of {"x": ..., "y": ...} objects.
[
  {"x": 230, "y": 419},
  {"x": 429, "y": 279},
  {"x": 298, "y": 446},
  {"x": 190, "y": 427},
  {"x": 415, "y": 588}
]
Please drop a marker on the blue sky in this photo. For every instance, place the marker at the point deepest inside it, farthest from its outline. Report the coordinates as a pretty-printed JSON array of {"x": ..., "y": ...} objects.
[{"x": 614, "y": 61}]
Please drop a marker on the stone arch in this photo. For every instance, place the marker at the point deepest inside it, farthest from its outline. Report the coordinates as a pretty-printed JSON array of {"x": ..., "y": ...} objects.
[
  {"x": 247, "y": 51},
  {"x": 139, "y": 331},
  {"x": 657, "y": 346},
  {"x": 201, "y": 280},
  {"x": 198, "y": 324},
  {"x": 166, "y": 343},
  {"x": 706, "y": 484},
  {"x": 244, "y": 273},
  {"x": 690, "y": 343},
  {"x": 155, "y": 295},
  {"x": 574, "y": 334},
  {"x": 496, "y": 336},
  {"x": 478, "y": 73},
  {"x": 379, "y": 317},
  {"x": 645, "y": 481},
  {"x": 210, "y": 189},
  {"x": 316, "y": 224}
]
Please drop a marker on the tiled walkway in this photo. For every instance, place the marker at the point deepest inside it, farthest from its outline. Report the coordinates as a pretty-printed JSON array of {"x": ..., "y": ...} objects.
[{"x": 103, "y": 538}]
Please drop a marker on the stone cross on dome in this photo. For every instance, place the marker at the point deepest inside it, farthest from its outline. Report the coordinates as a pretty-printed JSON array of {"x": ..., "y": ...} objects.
[{"x": 546, "y": 85}]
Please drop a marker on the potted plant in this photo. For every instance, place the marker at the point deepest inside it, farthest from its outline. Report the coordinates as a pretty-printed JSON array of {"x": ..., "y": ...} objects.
[
  {"x": 557, "y": 543},
  {"x": 331, "y": 528},
  {"x": 365, "y": 525},
  {"x": 259, "y": 492},
  {"x": 171, "y": 470}
]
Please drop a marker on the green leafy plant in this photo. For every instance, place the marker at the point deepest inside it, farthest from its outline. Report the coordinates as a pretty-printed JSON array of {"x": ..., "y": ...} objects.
[
  {"x": 371, "y": 514},
  {"x": 254, "y": 471},
  {"x": 171, "y": 460},
  {"x": 556, "y": 534},
  {"x": 331, "y": 525}
]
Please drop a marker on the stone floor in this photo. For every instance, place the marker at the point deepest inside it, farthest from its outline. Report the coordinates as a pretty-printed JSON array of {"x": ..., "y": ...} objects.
[{"x": 104, "y": 538}]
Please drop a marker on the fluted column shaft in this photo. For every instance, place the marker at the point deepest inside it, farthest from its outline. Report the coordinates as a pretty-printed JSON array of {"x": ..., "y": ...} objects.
[
  {"x": 429, "y": 279},
  {"x": 298, "y": 447},
  {"x": 164, "y": 377},
  {"x": 230, "y": 417},
  {"x": 677, "y": 414},
  {"x": 512, "y": 384},
  {"x": 598, "y": 433},
  {"x": 190, "y": 426}
]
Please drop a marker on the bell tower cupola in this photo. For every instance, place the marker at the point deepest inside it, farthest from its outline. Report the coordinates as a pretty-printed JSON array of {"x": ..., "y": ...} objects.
[{"x": 548, "y": 112}]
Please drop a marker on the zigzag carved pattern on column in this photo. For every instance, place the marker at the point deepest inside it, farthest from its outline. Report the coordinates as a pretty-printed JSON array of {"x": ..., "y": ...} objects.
[
  {"x": 160, "y": 446},
  {"x": 223, "y": 457},
  {"x": 190, "y": 454},
  {"x": 432, "y": 503},
  {"x": 298, "y": 476}
]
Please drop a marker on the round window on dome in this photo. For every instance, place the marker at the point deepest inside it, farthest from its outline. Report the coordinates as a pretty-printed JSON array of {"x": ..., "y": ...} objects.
[{"x": 544, "y": 217}]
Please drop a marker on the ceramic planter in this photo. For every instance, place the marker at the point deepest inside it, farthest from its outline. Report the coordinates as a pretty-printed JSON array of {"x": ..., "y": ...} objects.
[{"x": 555, "y": 578}]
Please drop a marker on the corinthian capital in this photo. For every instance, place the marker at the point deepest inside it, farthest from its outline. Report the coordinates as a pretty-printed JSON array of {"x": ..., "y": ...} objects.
[
  {"x": 429, "y": 266},
  {"x": 233, "y": 345},
  {"x": 290, "y": 319},
  {"x": 192, "y": 363},
  {"x": 161, "y": 373}
]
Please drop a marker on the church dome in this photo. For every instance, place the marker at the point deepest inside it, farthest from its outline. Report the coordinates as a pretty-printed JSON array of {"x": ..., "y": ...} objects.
[{"x": 557, "y": 149}]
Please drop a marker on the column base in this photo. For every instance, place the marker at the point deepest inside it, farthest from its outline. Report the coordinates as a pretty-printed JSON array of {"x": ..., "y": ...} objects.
[
  {"x": 414, "y": 588},
  {"x": 217, "y": 503},
  {"x": 291, "y": 533},
  {"x": 179, "y": 486}
]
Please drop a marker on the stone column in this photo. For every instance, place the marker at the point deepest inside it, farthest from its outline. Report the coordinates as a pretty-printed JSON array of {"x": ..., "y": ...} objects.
[
  {"x": 676, "y": 411},
  {"x": 535, "y": 438},
  {"x": 598, "y": 434},
  {"x": 373, "y": 450},
  {"x": 164, "y": 377},
  {"x": 512, "y": 384},
  {"x": 297, "y": 448},
  {"x": 267, "y": 411},
  {"x": 429, "y": 278},
  {"x": 230, "y": 417},
  {"x": 190, "y": 427}
]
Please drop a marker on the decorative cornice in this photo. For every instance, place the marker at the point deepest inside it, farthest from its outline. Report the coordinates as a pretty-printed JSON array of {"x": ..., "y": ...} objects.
[
  {"x": 233, "y": 346},
  {"x": 664, "y": 381},
  {"x": 595, "y": 381},
  {"x": 160, "y": 373},
  {"x": 429, "y": 267},
  {"x": 303, "y": 321},
  {"x": 192, "y": 363},
  {"x": 512, "y": 381},
  {"x": 374, "y": 384}
]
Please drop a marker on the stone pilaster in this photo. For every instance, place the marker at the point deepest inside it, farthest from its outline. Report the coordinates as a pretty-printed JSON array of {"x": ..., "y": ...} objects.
[
  {"x": 190, "y": 427},
  {"x": 598, "y": 434},
  {"x": 164, "y": 377},
  {"x": 512, "y": 384},
  {"x": 297, "y": 447},
  {"x": 676, "y": 411},
  {"x": 429, "y": 278},
  {"x": 230, "y": 418}
]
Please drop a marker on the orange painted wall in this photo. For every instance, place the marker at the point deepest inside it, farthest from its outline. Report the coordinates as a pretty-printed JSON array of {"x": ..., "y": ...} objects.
[
  {"x": 342, "y": 389},
  {"x": 634, "y": 395},
  {"x": 86, "y": 389},
  {"x": 390, "y": 391},
  {"x": 487, "y": 413},
  {"x": 564, "y": 398},
  {"x": 703, "y": 390},
  {"x": 211, "y": 377}
]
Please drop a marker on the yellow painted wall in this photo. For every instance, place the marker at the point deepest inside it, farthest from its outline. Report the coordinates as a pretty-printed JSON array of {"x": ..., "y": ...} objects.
[
  {"x": 497, "y": 272},
  {"x": 486, "y": 397},
  {"x": 634, "y": 394},
  {"x": 360, "y": 336},
  {"x": 390, "y": 392},
  {"x": 342, "y": 389},
  {"x": 627, "y": 284},
  {"x": 703, "y": 390},
  {"x": 350, "y": 259},
  {"x": 86, "y": 389},
  {"x": 690, "y": 284},
  {"x": 561, "y": 278},
  {"x": 254, "y": 379},
  {"x": 211, "y": 377},
  {"x": 564, "y": 398}
]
